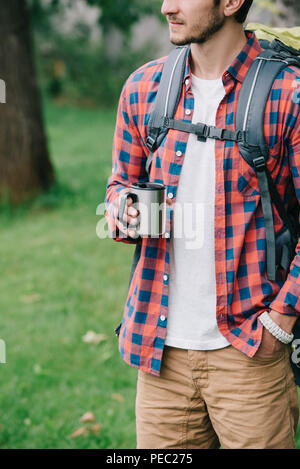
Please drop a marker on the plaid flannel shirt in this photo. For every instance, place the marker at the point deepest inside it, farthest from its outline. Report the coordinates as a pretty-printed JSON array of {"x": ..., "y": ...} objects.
[{"x": 242, "y": 288}]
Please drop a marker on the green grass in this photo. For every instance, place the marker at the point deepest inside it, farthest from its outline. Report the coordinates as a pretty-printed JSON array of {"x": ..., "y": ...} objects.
[{"x": 58, "y": 281}]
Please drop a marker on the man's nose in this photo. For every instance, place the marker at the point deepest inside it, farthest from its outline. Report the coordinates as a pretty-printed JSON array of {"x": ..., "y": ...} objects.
[{"x": 169, "y": 7}]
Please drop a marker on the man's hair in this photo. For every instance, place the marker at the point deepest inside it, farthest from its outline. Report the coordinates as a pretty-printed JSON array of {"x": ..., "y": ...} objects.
[{"x": 241, "y": 15}]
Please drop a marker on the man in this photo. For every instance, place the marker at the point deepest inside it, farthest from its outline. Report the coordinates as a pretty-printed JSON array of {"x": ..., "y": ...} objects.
[{"x": 210, "y": 374}]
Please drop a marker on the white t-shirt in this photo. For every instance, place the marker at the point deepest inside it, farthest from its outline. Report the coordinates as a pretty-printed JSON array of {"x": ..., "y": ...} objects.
[{"x": 192, "y": 285}]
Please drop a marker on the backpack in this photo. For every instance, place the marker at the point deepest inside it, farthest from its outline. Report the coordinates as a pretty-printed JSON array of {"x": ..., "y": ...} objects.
[{"x": 276, "y": 55}]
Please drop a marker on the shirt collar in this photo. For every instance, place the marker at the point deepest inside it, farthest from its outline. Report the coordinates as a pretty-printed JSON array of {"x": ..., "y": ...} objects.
[{"x": 240, "y": 65}]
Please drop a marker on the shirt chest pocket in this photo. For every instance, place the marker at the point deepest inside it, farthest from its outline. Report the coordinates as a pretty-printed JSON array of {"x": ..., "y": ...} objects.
[{"x": 247, "y": 183}]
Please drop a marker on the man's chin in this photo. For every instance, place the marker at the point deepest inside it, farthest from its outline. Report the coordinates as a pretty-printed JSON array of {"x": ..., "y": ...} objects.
[{"x": 177, "y": 41}]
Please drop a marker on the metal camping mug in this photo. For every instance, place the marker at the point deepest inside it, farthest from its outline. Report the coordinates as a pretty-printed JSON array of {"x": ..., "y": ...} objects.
[{"x": 149, "y": 198}]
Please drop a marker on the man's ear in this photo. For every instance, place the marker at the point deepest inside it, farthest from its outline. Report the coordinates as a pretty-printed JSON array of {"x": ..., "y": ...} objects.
[{"x": 232, "y": 6}]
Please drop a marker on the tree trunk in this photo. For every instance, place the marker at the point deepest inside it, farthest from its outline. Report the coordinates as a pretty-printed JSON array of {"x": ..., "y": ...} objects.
[{"x": 25, "y": 167}]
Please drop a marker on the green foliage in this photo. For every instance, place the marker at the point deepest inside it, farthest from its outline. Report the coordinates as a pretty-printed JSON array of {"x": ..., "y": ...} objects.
[
  {"x": 77, "y": 72},
  {"x": 41, "y": 13},
  {"x": 122, "y": 14},
  {"x": 74, "y": 69}
]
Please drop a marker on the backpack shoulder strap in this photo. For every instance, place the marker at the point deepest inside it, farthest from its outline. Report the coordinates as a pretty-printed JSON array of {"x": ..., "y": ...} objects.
[
  {"x": 253, "y": 97},
  {"x": 167, "y": 98}
]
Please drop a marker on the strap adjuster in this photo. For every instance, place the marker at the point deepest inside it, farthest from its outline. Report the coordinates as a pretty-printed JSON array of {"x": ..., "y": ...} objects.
[
  {"x": 150, "y": 142},
  {"x": 240, "y": 136},
  {"x": 259, "y": 163},
  {"x": 166, "y": 122},
  {"x": 202, "y": 131}
]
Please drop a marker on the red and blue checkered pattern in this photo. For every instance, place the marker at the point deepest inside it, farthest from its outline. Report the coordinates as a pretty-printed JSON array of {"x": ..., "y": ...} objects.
[{"x": 243, "y": 290}]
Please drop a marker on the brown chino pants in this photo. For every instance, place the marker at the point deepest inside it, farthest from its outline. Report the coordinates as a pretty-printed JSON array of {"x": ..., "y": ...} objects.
[{"x": 208, "y": 399}]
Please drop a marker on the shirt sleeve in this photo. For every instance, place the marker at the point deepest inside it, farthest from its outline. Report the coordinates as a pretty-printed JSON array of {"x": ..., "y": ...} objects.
[
  {"x": 128, "y": 158},
  {"x": 288, "y": 299}
]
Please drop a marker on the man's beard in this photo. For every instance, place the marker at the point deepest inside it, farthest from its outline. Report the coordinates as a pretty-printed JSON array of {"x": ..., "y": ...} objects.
[{"x": 215, "y": 23}]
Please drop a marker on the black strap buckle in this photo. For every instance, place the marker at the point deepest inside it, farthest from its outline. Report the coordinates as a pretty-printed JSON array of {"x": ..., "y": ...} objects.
[
  {"x": 259, "y": 163},
  {"x": 150, "y": 142},
  {"x": 216, "y": 132}
]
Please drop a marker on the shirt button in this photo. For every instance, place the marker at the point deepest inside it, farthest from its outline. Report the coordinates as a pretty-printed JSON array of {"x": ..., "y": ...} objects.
[
  {"x": 162, "y": 317},
  {"x": 188, "y": 112},
  {"x": 167, "y": 235},
  {"x": 178, "y": 153},
  {"x": 165, "y": 277},
  {"x": 170, "y": 195},
  {"x": 187, "y": 81}
]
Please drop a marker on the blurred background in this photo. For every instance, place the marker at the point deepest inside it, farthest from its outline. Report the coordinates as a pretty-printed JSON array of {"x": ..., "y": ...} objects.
[{"x": 62, "y": 289}]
